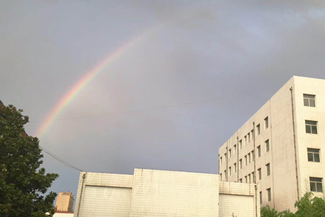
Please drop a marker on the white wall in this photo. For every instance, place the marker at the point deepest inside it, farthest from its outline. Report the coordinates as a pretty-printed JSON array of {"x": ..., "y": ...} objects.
[
  {"x": 167, "y": 193},
  {"x": 162, "y": 193},
  {"x": 239, "y": 200},
  {"x": 104, "y": 195}
]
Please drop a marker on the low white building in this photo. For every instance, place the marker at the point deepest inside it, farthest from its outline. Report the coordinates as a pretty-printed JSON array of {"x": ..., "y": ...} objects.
[{"x": 163, "y": 193}]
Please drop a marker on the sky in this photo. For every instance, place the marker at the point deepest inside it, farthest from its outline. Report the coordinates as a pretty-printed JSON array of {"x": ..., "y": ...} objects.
[{"x": 180, "y": 76}]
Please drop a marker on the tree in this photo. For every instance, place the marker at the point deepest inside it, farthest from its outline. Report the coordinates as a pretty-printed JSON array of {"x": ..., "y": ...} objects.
[
  {"x": 308, "y": 206},
  {"x": 23, "y": 183},
  {"x": 266, "y": 211}
]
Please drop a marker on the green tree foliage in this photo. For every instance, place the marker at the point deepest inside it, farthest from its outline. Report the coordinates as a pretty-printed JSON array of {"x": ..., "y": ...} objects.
[
  {"x": 23, "y": 183},
  {"x": 266, "y": 211},
  {"x": 308, "y": 206}
]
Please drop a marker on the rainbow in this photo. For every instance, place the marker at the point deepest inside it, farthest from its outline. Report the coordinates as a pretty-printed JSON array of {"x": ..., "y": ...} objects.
[{"x": 83, "y": 82}]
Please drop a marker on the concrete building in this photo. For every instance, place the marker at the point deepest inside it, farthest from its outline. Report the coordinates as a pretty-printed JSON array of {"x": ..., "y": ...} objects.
[
  {"x": 281, "y": 146},
  {"x": 149, "y": 193},
  {"x": 64, "y": 202}
]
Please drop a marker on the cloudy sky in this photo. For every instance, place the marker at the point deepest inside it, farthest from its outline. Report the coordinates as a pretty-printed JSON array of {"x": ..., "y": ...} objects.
[{"x": 189, "y": 74}]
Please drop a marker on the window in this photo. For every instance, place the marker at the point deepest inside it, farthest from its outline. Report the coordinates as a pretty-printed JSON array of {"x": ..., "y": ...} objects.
[
  {"x": 253, "y": 156},
  {"x": 316, "y": 184},
  {"x": 309, "y": 100},
  {"x": 241, "y": 180},
  {"x": 229, "y": 171},
  {"x": 267, "y": 145},
  {"x": 220, "y": 160},
  {"x": 268, "y": 194},
  {"x": 249, "y": 178},
  {"x": 259, "y": 151},
  {"x": 225, "y": 172},
  {"x": 253, "y": 175},
  {"x": 268, "y": 172},
  {"x": 235, "y": 168},
  {"x": 249, "y": 157},
  {"x": 249, "y": 137},
  {"x": 311, "y": 127},
  {"x": 258, "y": 127},
  {"x": 245, "y": 140},
  {"x": 246, "y": 160},
  {"x": 260, "y": 197},
  {"x": 241, "y": 163},
  {"x": 313, "y": 155},
  {"x": 241, "y": 144},
  {"x": 221, "y": 176},
  {"x": 229, "y": 153},
  {"x": 266, "y": 122},
  {"x": 246, "y": 179},
  {"x": 259, "y": 174},
  {"x": 235, "y": 149}
]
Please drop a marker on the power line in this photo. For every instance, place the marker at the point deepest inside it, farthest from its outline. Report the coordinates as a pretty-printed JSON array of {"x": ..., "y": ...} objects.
[
  {"x": 133, "y": 111},
  {"x": 60, "y": 160}
]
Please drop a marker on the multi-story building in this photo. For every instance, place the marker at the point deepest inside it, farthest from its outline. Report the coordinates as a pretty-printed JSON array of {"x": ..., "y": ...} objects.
[
  {"x": 281, "y": 147},
  {"x": 64, "y": 201}
]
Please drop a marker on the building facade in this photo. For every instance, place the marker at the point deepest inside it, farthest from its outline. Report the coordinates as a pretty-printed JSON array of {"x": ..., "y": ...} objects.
[
  {"x": 149, "y": 193},
  {"x": 64, "y": 202},
  {"x": 281, "y": 146}
]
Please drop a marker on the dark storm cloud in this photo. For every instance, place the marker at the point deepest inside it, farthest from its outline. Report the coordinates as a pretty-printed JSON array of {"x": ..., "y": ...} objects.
[{"x": 172, "y": 98}]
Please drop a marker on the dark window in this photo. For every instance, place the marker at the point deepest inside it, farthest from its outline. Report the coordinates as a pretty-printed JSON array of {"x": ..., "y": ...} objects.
[
  {"x": 309, "y": 100},
  {"x": 259, "y": 174},
  {"x": 258, "y": 129},
  {"x": 241, "y": 144},
  {"x": 313, "y": 155},
  {"x": 269, "y": 194},
  {"x": 267, "y": 145},
  {"x": 316, "y": 184},
  {"x": 249, "y": 157},
  {"x": 311, "y": 127},
  {"x": 260, "y": 197},
  {"x": 268, "y": 172},
  {"x": 241, "y": 163},
  {"x": 259, "y": 151},
  {"x": 235, "y": 168},
  {"x": 266, "y": 122}
]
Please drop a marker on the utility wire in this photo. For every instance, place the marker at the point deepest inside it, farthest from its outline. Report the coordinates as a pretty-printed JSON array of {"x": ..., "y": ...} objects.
[
  {"x": 132, "y": 111},
  {"x": 60, "y": 160}
]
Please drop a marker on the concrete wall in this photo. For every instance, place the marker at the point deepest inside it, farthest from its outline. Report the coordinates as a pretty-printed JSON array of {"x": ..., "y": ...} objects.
[
  {"x": 305, "y": 140},
  {"x": 167, "y": 193},
  {"x": 162, "y": 193},
  {"x": 237, "y": 199},
  {"x": 103, "y": 195}
]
